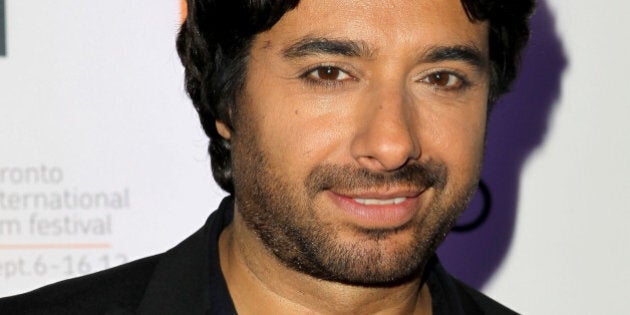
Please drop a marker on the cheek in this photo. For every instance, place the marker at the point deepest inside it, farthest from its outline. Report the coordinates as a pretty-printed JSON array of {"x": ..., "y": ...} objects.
[
  {"x": 456, "y": 138},
  {"x": 296, "y": 137}
]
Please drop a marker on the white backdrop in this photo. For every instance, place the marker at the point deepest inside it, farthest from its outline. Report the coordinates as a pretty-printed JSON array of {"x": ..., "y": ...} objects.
[{"x": 102, "y": 159}]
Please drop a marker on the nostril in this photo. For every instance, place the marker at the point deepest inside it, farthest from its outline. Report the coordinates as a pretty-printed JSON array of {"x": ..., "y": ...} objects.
[{"x": 386, "y": 155}]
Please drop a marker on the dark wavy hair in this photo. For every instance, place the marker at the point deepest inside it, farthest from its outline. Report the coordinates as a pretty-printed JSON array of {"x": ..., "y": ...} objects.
[{"x": 215, "y": 40}]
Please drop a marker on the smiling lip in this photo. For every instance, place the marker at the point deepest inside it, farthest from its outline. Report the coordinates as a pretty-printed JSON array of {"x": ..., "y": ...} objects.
[{"x": 378, "y": 210}]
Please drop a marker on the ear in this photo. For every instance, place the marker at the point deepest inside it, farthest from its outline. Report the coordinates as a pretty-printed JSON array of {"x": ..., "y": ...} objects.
[{"x": 223, "y": 129}]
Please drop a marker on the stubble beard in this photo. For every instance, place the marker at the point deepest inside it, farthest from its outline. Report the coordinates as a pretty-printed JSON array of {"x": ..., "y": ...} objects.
[{"x": 285, "y": 217}]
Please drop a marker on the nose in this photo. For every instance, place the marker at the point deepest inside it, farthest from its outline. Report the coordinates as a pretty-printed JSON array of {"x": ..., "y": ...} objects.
[{"x": 386, "y": 137}]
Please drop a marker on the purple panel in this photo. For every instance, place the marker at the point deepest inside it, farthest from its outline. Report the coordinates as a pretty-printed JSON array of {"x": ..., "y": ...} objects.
[{"x": 517, "y": 126}]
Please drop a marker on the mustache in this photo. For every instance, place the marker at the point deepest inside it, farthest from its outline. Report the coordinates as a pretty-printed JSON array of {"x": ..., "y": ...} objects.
[{"x": 420, "y": 175}]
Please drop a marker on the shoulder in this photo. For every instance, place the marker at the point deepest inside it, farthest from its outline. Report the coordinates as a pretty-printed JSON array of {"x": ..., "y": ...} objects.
[
  {"x": 473, "y": 299},
  {"x": 115, "y": 289},
  {"x": 451, "y": 296}
]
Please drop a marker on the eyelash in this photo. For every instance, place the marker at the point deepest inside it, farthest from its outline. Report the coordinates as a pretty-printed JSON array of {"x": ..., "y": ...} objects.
[
  {"x": 308, "y": 76},
  {"x": 461, "y": 82}
]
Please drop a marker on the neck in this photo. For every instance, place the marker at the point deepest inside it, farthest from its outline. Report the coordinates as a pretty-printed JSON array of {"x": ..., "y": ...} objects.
[{"x": 259, "y": 284}]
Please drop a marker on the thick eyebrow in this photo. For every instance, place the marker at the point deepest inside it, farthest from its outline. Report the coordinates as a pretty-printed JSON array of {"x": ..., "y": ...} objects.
[
  {"x": 469, "y": 54},
  {"x": 309, "y": 46}
]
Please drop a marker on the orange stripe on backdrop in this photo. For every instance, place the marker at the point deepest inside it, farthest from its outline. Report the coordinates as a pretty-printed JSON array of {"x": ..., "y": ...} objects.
[{"x": 183, "y": 7}]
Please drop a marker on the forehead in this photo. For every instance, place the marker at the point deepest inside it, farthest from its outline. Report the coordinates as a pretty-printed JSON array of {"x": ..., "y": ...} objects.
[{"x": 385, "y": 26}]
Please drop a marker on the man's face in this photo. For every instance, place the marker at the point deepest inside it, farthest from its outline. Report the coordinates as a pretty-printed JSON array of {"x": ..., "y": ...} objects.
[{"x": 358, "y": 137}]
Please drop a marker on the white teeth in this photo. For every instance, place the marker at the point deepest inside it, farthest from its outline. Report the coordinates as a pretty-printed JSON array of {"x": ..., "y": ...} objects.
[{"x": 380, "y": 202}]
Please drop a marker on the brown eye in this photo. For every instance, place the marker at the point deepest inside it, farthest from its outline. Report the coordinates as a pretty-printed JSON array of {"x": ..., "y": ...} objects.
[
  {"x": 328, "y": 73},
  {"x": 443, "y": 80}
]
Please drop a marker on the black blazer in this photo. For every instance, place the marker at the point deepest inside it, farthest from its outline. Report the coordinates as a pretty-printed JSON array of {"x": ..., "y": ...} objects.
[{"x": 188, "y": 280}]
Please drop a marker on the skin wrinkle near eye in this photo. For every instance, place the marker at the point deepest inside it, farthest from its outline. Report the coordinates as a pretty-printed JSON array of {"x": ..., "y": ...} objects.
[
  {"x": 313, "y": 46},
  {"x": 310, "y": 45}
]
